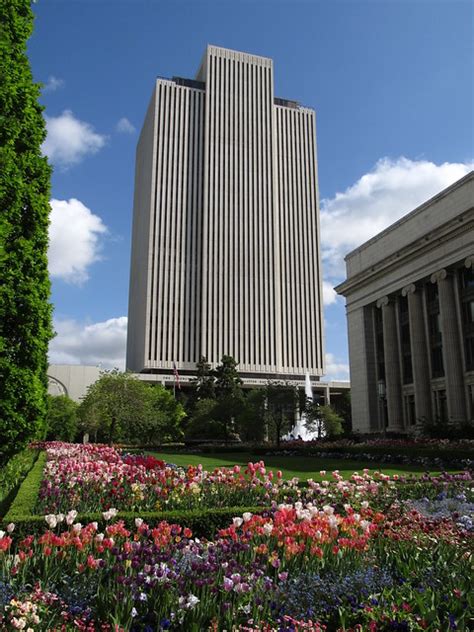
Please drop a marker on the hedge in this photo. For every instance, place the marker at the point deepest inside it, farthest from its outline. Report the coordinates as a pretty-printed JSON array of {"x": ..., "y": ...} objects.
[
  {"x": 204, "y": 523},
  {"x": 445, "y": 454},
  {"x": 12, "y": 474},
  {"x": 25, "y": 500}
]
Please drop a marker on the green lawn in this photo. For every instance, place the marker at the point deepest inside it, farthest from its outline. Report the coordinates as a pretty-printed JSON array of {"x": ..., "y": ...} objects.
[{"x": 303, "y": 467}]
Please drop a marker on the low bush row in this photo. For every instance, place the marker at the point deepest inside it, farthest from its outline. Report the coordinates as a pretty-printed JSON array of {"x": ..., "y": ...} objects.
[
  {"x": 27, "y": 495},
  {"x": 204, "y": 523},
  {"x": 445, "y": 454},
  {"x": 13, "y": 473}
]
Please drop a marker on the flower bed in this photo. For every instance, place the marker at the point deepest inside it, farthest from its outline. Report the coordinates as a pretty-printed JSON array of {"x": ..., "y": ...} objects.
[
  {"x": 298, "y": 567},
  {"x": 94, "y": 478},
  {"x": 370, "y": 553}
]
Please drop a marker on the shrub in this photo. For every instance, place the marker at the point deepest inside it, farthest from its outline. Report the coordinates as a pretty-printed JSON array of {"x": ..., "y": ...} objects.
[
  {"x": 25, "y": 312},
  {"x": 120, "y": 407},
  {"x": 27, "y": 495},
  {"x": 61, "y": 418},
  {"x": 12, "y": 474},
  {"x": 204, "y": 523}
]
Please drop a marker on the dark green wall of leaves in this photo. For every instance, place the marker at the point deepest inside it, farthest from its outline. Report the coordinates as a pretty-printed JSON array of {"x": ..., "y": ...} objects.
[{"x": 25, "y": 312}]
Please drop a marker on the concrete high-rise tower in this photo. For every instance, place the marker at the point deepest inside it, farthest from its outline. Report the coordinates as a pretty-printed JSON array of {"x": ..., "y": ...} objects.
[{"x": 225, "y": 247}]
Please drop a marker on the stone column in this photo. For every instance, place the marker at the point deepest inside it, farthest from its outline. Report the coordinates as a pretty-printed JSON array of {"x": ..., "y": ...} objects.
[
  {"x": 452, "y": 358},
  {"x": 469, "y": 262},
  {"x": 393, "y": 382},
  {"x": 419, "y": 353}
]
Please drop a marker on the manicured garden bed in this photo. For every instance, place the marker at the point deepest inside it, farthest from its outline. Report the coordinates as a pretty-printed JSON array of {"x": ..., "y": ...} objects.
[
  {"x": 369, "y": 553},
  {"x": 304, "y": 467}
]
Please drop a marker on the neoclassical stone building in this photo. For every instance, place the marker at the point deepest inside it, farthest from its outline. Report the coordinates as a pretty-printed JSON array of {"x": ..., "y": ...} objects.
[{"x": 410, "y": 310}]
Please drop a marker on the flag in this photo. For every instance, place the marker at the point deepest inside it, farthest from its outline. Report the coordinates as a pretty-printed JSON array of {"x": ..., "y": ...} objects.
[{"x": 176, "y": 376}]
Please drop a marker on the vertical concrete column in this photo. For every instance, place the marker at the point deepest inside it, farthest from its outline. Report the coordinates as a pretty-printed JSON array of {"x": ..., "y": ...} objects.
[
  {"x": 393, "y": 382},
  {"x": 419, "y": 353},
  {"x": 453, "y": 369}
]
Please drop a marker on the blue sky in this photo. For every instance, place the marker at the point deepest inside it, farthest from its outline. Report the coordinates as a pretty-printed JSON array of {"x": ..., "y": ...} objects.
[{"x": 392, "y": 83}]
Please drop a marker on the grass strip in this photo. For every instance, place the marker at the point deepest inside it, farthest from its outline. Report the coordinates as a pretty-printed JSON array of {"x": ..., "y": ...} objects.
[
  {"x": 25, "y": 500},
  {"x": 302, "y": 467}
]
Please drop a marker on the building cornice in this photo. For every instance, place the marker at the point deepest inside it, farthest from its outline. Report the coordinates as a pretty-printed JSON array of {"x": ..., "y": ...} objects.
[
  {"x": 429, "y": 242},
  {"x": 409, "y": 216}
]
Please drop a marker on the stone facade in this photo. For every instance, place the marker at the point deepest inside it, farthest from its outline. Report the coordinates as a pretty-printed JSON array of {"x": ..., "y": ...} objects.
[
  {"x": 410, "y": 310},
  {"x": 71, "y": 379}
]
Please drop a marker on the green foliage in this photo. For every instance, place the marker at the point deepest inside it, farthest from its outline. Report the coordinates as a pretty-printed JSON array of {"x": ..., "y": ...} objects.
[
  {"x": 281, "y": 404},
  {"x": 228, "y": 383},
  {"x": 25, "y": 313},
  {"x": 120, "y": 407},
  {"x": 342, "y": 406},
  {"x": 438, "y": 428},
  {"x": 222, "y": 387},
  {"x": 203, "y": 385},
  {"x": 25, "y": 501},
  {"x": 12, "y": 474},
  {"x": 323, "y": 420},
  {"x": 61, "y": 418},
  {"x": 204, "y": 523},
  {"x": 163, "y": 419},
  {"x": 251, "y": 418},
  {"x": 332, "y": 421},
  {"x": 204, "y": 424}
]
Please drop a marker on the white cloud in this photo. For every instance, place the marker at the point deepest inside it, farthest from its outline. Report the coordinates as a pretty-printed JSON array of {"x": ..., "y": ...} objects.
[
  {"x": 390, "y": 190},
  {"x": 53, "y": 84},
  {"x": 329, "y": 294},
  {"x": 125, "y": 127},
  {"x": 336, "y": 369},
  {"x": 74, "y": 240},
  {"x": 70, "y": 139},
  {"x": 100, "y": 343}
]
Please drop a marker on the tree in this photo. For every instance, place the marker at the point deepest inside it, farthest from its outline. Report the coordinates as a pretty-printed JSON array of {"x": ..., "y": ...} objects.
[
  {"x": 25, "y": 312},
  {"x": 343, "y": 407},
  {"x": 203, "y": 424},
  {"x": 163, "y": 419},
  {"x": 252, "y": 417},
  {"x": 228, "y": 382},
  {"x": 281, "y": 404},
  {"x": 229, "y": 394},
  {"x": 61, "y": 418},
  {"x": 323, "y": 420},
  {"x": 120, "y": 407},
  {"x": 204, "y": 382}
]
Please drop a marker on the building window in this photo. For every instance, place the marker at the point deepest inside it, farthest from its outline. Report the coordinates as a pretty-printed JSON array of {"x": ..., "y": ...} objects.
[
  {"x": 434, "y": 327},
  {"x": 407, "y": 370},
  {"x": 441, "y": 407},
  {"x": 467, "y": 309},
  {"x": 410, "y": 414},
  {"x": 471, "y": 399}
]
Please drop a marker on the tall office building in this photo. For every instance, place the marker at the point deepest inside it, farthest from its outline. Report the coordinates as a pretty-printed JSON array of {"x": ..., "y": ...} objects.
[{"x": 225, "y": 247}]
